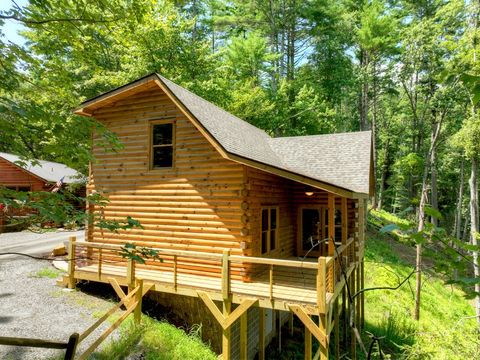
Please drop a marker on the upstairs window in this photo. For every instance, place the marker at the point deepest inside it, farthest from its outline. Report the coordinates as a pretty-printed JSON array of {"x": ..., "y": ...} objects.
[
  {"x": 269, "y": 229},
  {"x": 163, "y": 138}
]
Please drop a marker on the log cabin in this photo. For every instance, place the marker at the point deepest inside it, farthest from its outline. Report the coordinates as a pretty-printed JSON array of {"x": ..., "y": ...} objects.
[
  {"x": 255, "y": 229},
  {"x": 34, "y": 175},
  {"x": 19, "y": 174}
]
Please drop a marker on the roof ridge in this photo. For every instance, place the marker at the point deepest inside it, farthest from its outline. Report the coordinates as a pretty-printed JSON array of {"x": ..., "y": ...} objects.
[
  {"x": 322, "y": 135},
  {"x": 30, "y": 159}
]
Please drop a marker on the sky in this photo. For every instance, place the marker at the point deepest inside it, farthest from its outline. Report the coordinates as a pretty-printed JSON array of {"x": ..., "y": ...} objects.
[{"x": 11, "y": 27}]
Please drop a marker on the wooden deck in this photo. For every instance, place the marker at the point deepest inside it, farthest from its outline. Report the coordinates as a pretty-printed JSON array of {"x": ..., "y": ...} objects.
[
  {"x": 277, "y": 283},
  {"x": 290, "y": 285}
]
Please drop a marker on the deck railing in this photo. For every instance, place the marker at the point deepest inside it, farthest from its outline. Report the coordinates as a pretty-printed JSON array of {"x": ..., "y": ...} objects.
[{"x": 329, "y": 271}]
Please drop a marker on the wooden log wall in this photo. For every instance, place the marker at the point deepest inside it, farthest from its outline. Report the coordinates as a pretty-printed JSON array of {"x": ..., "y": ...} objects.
[
  {"x": 194, "y": 206},
  {"x": 265, "y": 190},
  {"x": 11, "y": 175}
]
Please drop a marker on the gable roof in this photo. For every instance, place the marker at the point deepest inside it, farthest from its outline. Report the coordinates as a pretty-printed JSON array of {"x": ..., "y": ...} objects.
[
  {"x": 48, "y": 171},
  {"x": 340, "y": 160}
]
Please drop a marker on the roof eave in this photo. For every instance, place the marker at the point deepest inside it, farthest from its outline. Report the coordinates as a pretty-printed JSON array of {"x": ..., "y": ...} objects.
[{"x": 86, "y": 108}]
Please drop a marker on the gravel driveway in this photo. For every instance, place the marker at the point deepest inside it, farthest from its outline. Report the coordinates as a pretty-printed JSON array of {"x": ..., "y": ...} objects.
[
  {"x": 31, "y": 305},
  {"x": 37, "y": 244}
]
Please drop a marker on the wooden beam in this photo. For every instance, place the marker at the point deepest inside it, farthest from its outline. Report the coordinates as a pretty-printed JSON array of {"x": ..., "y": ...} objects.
[
  {"x": 130, "y": 274},
  {"x": 243, "y": 335},
  {"x": 225, "y": 275},
  {"x": 323, "y": 324},
  {"x": 336, "y": 321},
  {"x": 321, "y": 284},
  {"x": 226, "y": 333},
  {"x": 316, "y": 331},
  {"x": 212, "y": 307},
  {"x": 308, "y": 344},
  {"x": 226, "y": 321},
  {"x": 147, "y": 288},
  {"x": 117, "y": 288},
  {"x": 362, "y": 295},
  {"x": 240, "y": 310},
  {"x": 261, "y": 334},
  {"x": 344, "y": 220},
  {"x": 331, "y": 224},
  {"x": 137, "y": 315},
  {"x": 71, "y": 262}
]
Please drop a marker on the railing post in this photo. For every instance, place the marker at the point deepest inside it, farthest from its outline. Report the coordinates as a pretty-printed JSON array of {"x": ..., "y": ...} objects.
[
  {"x": 100, "y": 258},
  {"x": 71, "y": 262},
  {"x": 227, "y": 304},
  {"x": 71, "y": 346},
  {"x": 131, "y": 275},
  {"x": 321, "y": 284},
  {"x": 175, "y": 272},
  {"x": 225, "y": 275},
  {"x": 137, "y": 315},
  {"x": 271, "y": 282}
]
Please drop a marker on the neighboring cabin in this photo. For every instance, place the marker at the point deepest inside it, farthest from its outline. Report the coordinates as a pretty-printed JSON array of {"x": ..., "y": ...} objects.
[
  {"x": 35, "y": 175},
  {"x": 202, "y": 181}
]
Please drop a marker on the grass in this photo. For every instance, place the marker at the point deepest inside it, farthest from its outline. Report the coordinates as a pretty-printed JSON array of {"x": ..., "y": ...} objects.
[
  {"x": 155, "y": 340},
  {"x": 446, "y": 330},
  {"x": 47, "y": 272}
]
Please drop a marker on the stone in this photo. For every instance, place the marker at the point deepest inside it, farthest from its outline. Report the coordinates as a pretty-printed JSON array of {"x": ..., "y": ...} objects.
[{"x": 59, "y": 250}]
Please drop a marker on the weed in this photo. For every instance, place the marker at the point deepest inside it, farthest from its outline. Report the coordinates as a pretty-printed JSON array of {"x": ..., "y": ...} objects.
[{"x": 46, "y": 272}]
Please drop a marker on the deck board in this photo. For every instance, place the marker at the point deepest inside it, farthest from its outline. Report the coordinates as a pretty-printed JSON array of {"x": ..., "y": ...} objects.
[{"x": 290, "y": 285}]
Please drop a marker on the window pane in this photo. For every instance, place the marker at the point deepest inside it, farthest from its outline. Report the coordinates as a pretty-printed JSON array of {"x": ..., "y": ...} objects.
[
  {"x": 264, "y": 219},
  {"x": 273, "y": 218},
  {"x": 273, "y": 239},
  {"x": 163, "y": 156},
  {"x": 162, "y": 134},
  {"x": 264, "y": 242}
]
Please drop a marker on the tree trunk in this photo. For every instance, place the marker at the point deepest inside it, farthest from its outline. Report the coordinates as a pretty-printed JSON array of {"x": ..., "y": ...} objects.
[
  {"x": 474, "y": 230},
  {"x": 433, "y": 185},
  {"x": 374, "y": 131},
  {"x": 421, "y": 226},
  {"x": 364, "y": 92},
  {"x": 385, "y": 167},
  {"x": 458, "y": 213},
  {"x": 436, "y": 127}
]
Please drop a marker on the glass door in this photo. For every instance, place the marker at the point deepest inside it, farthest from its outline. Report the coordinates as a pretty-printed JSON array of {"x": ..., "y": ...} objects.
[{"x": 310, "y": 232}]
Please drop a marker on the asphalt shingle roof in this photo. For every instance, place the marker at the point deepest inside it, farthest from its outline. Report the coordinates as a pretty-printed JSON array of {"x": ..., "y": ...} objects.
[
  {"x": 342, "y": 160},
  {"x": 47, "y": 170}
]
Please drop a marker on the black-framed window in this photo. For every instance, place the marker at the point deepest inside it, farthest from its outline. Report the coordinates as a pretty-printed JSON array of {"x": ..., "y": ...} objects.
[
  {"x": 269, "y": 229},
  {"x": 163, "y": 141}
]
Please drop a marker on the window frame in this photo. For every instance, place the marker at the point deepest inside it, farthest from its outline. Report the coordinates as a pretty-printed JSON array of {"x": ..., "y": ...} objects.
[
  {"x": 269, "y": 229},
  {"x": 151, "y": 146}
]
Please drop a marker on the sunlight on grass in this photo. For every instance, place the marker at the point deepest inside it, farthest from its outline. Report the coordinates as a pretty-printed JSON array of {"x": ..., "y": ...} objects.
[
  {"x": 446, "y": 329},
  {"x": 155, "y": 340}
]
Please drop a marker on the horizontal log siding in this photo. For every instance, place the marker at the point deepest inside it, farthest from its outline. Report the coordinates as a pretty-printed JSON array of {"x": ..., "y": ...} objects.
[
  {"x": 195, "y": 206},
  {"x": 270, "y": 190},
  {"x": 11, "y": 175}
]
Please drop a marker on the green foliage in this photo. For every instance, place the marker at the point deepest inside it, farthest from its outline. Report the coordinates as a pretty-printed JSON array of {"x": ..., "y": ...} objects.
[
  {"x": 155, "y": 340},
  {"x": 446, "y": 330},
  {"x": 139, "y": 254},
  {"x": 47, "y": 272}
]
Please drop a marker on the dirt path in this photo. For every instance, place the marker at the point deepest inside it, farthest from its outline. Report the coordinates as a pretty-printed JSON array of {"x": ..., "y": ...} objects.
[{"x": 31, "y": 305}]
